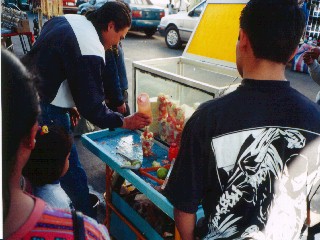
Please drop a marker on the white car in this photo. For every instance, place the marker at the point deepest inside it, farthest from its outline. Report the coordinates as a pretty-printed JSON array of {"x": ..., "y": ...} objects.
[{"x": 177, "y": 28}]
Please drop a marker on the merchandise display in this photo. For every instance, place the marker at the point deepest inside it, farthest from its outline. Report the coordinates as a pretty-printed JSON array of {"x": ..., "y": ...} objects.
[
  {"x": 312, "y": 35},
  {"x": 14, "y": 20}
]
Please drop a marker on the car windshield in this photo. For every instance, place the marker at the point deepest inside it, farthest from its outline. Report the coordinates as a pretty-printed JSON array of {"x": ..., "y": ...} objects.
[{"x": 139, "y": 2}]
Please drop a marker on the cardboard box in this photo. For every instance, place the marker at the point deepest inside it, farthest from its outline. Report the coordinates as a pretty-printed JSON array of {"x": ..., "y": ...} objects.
[{"x": 23, "y": 26}]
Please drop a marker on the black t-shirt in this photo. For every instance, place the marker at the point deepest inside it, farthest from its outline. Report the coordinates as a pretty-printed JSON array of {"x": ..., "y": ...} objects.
[{"x": 246, "y": 158}]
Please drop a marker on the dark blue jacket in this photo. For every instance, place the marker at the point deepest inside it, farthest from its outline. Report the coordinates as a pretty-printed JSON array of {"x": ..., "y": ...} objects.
[{"x": 69, "y": 58}]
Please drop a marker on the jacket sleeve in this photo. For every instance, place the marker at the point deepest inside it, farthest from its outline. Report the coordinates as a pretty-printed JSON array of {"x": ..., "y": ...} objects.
[
  {"x": 86, "y": 86},
  {"x": 314, "y": 70}
]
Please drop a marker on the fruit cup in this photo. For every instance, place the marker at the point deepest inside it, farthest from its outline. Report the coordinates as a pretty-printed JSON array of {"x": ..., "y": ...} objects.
[{"x": 147, "y": 147}]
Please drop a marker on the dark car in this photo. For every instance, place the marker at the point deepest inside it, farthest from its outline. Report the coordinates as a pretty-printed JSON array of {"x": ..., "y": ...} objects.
[
  {"x": 145, "y": 16},
  {"x": 16, "y": 4}
]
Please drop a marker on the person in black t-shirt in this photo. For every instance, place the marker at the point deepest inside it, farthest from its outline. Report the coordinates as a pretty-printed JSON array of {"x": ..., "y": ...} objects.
[{"x": 251, "y": 158}]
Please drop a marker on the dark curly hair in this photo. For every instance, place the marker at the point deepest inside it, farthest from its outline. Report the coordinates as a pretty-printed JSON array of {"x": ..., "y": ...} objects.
[
  {"x": 116, "y": 11},
  {"x": 274, "y": 28},
  {"x": 48, "y": 158}
]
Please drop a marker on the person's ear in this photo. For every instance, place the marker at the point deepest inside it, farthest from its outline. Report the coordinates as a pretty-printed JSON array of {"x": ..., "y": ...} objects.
[
  {"x": 111, "y": 25},
  {"x": 243, "y": 39}
]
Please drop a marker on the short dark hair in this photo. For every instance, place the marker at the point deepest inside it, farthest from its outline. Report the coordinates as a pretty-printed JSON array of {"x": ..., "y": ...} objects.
[
  {"x": 274, "y": 28},
  {"x": 116, "y": 11},
  {"x": 48, "y": 158},
  {"x": 20, "y": 110}
]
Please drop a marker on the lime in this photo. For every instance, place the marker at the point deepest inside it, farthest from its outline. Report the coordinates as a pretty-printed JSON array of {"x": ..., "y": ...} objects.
[{"x": 162, "y": 173}]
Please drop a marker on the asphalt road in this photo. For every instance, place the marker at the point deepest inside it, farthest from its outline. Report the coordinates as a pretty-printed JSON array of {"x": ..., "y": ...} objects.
[{"x": 138, "y": 47}]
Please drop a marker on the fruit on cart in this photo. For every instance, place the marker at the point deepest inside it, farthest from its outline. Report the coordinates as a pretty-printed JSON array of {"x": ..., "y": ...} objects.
[
  {"x": 136, "y": 162},
  {"x": 162, "y": 173},
  {"x": 155, "y": 164},
  {"x": 126, "y": 163},
  {"x": 147, "y": 142}
]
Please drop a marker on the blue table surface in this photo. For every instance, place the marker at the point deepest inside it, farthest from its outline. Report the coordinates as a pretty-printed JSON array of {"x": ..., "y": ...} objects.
[
  {"x": 129, "y": 144},
  {"x": 105, "y": 144}
]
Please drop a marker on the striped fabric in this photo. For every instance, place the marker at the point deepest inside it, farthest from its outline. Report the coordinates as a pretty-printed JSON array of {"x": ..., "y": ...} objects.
[
  {"x": 46, "y": 223},
  {"x": 298, "y": 64}
]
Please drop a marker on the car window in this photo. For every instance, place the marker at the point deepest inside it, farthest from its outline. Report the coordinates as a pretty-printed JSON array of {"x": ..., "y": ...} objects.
[
  {"x": 198, "y": 10},
  {"x": 99, "y": 4}
]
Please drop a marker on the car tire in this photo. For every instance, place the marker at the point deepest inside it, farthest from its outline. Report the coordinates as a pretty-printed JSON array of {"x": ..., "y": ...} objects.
[
  {"x": 172, "y": 38},
  {"x": 150, "y": 32}
]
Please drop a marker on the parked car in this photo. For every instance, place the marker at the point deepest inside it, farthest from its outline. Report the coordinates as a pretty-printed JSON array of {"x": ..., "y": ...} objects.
[
  {"x": 69, "y": 6},
  {"x": 145, "y": 16},
  {"x": 16, "y": 4},
  {"x": 177, "y": 28},
  {"x": 90, "y": 5}
]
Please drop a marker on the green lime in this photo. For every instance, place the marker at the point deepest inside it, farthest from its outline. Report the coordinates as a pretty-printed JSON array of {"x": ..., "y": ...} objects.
[{"x": 162, "y": 173}]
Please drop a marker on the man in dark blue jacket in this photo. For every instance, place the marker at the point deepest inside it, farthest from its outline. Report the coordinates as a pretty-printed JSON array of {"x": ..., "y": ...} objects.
[{"x": 69, "y": 57}]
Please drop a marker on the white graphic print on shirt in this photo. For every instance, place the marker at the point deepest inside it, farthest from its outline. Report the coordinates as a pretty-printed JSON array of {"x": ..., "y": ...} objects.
[{"x": 271, "y": 172}]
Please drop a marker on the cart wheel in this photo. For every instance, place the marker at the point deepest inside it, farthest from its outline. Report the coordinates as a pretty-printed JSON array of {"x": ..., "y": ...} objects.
[{"x": 173, "y": 38}]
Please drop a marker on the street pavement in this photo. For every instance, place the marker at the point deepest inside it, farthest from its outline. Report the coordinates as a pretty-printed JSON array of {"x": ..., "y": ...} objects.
[{"x": 138, "y": 47}]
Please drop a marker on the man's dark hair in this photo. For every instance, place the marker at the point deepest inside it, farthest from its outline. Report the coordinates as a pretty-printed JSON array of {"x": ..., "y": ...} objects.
[
  {"x": 274, "y": 28},
  {"x": 116, "y": 11},
  {"x": 48, "y": 158}
]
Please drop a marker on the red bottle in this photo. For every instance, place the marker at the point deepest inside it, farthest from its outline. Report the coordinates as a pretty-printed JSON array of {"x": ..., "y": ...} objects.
[{"x": 173, "y": 151}]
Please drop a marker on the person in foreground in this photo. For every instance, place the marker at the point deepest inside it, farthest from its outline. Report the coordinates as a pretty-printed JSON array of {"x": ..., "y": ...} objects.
[
  {"x": 49, "y": 161},
  {"x": 25, "y": 216},
  {"x": 69, "y": 57},
  {"x": 251, "y": 158}
]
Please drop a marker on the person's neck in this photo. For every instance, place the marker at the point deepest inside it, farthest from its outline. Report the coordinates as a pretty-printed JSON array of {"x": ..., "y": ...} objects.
[
  {"x": 264, "y": 70},
  {"x": 21, "y": 206}
]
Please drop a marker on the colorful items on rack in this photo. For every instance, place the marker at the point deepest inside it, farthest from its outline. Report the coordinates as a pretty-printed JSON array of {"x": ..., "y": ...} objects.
[
  {"x": 15, "y": 20},
  {"x": 171, "y": 120},
  {"x": 173, "y": 152}
]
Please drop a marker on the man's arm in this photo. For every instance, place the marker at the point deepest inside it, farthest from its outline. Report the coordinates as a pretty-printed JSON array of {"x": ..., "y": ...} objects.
[{"x": 185, "y": 222}]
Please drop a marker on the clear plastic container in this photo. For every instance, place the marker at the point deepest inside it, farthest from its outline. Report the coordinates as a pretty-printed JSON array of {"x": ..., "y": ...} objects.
[{"x": 144, "y": 105}]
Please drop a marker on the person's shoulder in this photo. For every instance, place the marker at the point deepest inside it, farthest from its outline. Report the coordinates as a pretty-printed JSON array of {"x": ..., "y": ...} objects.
[
  {"x": 95, "y": 228},
  {"x": 62, "y": 219},
  {"x": 303, "y": 102},
  {"x": 215, "y": 105}
]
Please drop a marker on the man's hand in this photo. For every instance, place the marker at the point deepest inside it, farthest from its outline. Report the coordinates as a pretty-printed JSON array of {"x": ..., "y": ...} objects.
[
  {"x": 122, "y": 109},
  {"x": 307, "y": 58},
  {"x": 311, "y": 55},
  {"x": 74, "y": 116},
  {"x": 315, "y": 53},
  {"x": 136, "y": 121}
]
